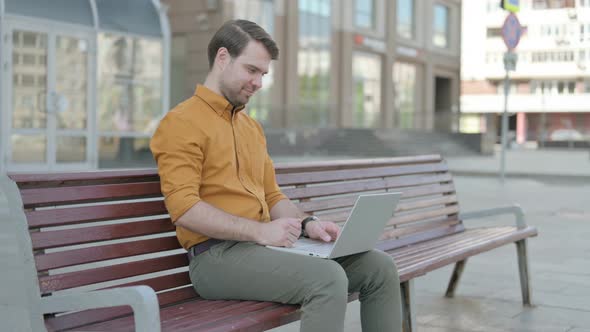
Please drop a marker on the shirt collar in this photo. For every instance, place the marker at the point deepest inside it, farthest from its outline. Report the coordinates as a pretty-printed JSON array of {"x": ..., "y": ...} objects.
[{"x": 218, "y": 103}]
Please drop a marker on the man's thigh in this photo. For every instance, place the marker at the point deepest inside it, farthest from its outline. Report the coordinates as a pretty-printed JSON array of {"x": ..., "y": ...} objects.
[{"x": 247, "y": 271}]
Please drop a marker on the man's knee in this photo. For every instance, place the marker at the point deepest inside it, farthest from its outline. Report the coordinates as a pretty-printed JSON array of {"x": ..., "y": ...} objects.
[
  {"x": 381, "y": 265},
  {"x": 330, "y": 280}
]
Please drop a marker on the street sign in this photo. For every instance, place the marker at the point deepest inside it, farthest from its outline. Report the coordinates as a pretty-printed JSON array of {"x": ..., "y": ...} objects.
[
  {"x": 511, "y": 31},
  {"x": 510, "y": 60},
  {"x": 512, "y": 6}
]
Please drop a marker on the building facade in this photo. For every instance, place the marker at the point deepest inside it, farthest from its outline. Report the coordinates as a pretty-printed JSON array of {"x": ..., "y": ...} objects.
[
  {"x": 343, "y": 64},
  {"x": 83, "y": 83},
  {"x": 549, "y": 96}
]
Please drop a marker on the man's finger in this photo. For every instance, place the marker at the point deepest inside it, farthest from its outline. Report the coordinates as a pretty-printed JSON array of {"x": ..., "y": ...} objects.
[{"x": 322, "y": 234}]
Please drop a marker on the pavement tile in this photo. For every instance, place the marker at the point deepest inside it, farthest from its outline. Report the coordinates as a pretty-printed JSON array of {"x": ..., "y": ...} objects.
[{"x": 543, "y": 315}]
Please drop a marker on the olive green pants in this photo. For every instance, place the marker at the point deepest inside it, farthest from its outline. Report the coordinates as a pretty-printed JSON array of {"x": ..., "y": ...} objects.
[{"x": 247, "y": 271}]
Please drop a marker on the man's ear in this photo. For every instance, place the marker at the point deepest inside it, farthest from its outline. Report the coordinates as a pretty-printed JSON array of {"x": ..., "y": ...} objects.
[{"x": 222, "y": 58}]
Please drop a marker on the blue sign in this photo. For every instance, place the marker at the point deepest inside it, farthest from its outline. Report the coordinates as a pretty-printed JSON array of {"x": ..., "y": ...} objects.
[{"x": 511, "y": 31}]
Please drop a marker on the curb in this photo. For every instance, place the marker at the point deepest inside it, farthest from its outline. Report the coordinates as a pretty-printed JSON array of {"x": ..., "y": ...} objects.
[{"x": 578, "y": 179}]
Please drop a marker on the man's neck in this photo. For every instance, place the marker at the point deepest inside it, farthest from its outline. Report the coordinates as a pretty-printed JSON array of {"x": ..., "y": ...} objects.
[{"x": 212, "y": 85}]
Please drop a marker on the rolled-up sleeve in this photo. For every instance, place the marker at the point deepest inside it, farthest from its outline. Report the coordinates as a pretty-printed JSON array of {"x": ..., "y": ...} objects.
[{"x": 179, "y": 155}]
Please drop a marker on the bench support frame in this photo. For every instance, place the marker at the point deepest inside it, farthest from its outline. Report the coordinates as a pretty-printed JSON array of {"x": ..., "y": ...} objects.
[{"x": 408, "y": 305}]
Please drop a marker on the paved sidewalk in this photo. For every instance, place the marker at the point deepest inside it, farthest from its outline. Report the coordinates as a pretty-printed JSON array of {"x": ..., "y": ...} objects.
[{"x": 540, "y": 164}]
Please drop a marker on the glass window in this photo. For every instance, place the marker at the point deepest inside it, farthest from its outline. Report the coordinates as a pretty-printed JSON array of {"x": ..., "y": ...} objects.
[
  {"x": 404, "y": 83},
  {"x": 29, "y": 148},
  {"x": 313, "y": 63},
  {"x": 405, "y": 18},
  {"x": 71, "y": 84},
  {"x": 367, "y": 90},
  {"x": 440, "y": 37},
  {"x": 119, "y": 151},
  {"x": 130, "y": 76},
  {"x": 364, "y": 14},
  {"x": 29, "y": 102},
  {"x": 262, "y": 12}
]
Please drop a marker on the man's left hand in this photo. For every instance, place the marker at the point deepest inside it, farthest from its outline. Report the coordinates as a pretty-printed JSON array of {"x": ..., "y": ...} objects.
[{"x": 322, "y": 230}]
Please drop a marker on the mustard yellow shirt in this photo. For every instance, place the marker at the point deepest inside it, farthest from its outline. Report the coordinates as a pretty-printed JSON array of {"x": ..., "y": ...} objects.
[{"x": 205, "y": 153}]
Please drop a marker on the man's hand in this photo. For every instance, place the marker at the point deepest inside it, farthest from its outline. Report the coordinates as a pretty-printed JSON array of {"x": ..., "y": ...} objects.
[
  {"x": 281, "y": 232},
  {"x": 322, "y": 230}
]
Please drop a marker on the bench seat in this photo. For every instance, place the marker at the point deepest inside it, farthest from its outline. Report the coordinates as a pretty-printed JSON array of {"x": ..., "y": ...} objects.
[
  {"x": 412, "y": 261},
  {"x": 109, "y": 230}
]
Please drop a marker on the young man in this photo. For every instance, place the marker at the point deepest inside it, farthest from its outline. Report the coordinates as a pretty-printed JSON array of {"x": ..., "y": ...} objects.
[{"x": 220, "y": 190}]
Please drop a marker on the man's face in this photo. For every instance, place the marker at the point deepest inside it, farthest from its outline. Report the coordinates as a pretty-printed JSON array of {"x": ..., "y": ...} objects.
[{"x": 242, "y": 76}]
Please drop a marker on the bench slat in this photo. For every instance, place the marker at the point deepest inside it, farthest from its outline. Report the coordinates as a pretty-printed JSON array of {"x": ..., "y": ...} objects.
[
  {"x": 342, "y": 202},
  {"x": 363, "y": 186},
  {"x": 56, "y": 282},
  {"x": 417, "y": 216},
  {"x": 53, "y": 239},
  {"x": 84, "y": 194},
  {"x": 405, "y": 231},
  {"x": 465, "y": 239},
  {"x": 392, "y": 244},
  {"x": 291, "y": 179},
  {"x": 324, "y": 165},
  {"x": 429, "y": 245},
  {"x": 45, "y": 180},
  {"x": 421, "y": 268},
  {"x": 161, "y": 283},
  {"x": 81, "y": 318},
  {"x": 105, "y": 252},
  {"x": 79, "y": 215}
]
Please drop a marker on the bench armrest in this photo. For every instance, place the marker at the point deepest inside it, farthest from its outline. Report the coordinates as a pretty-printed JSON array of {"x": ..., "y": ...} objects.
[
  {"x": 142, "y": 299},
  {"x": 515, "y": 209}
]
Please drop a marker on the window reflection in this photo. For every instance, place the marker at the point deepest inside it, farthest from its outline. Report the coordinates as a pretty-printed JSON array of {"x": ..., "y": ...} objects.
[
  {"x": 313, "y": 64},
  {"x": 367, "y": 89},
  {"x": 29, "y": 148},
  {"x": 71, "y": 149},
  {"x": 71, "y": 82},
  {"x": 130, "y": 88},
  {"x": 122, "y": 152},
  {"x": 364, "y": 14},
  {"x": 440, "y": 37},
  {"x": 405, "y": 18},
  {"x": 261, "y": 12},
  {"x": 29, "y": 78},
  {"x": 404, "y": 82}
]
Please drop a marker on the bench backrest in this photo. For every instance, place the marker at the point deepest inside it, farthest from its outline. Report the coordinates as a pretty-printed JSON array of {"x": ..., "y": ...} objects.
[{"x": 107, "y": 229}]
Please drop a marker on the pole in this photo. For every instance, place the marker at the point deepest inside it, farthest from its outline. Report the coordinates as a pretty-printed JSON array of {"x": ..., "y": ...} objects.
[{"x": 504, "y": 127}]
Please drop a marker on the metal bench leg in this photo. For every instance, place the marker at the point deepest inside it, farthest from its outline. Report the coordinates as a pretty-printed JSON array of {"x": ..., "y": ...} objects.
[
  {"x": 459, "y": 266},
  {"x": 407, "y": 288},
  {"x": 523, "y": 269}
]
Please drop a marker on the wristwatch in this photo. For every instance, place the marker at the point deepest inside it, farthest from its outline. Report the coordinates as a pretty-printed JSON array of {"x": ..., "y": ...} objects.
[{"x": 304, "y": 223}]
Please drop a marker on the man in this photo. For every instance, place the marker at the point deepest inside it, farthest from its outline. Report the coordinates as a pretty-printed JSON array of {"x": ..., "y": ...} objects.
[{"x": 220, "y": 190}]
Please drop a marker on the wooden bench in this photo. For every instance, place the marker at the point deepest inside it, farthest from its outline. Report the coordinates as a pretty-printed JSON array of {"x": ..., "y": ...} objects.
[{"x": 109, "y": 230}]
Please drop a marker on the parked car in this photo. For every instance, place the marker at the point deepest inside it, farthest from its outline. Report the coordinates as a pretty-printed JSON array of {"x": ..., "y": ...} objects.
[{"x": 566, "y": 135}]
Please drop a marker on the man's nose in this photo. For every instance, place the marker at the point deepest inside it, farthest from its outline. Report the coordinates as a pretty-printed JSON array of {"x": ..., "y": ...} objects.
[{"x": 257, "y": 82}]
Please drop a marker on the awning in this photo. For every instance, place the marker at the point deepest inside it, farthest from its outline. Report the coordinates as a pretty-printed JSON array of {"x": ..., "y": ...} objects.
[{"x": 139, "y": 17}]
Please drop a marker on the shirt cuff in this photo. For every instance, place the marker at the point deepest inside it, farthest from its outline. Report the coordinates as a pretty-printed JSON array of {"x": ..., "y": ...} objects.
[{"x": 180, "y": 202}]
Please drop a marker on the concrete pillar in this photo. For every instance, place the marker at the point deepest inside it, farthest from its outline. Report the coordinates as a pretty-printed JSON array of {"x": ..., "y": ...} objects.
[{"x": 520, "y": 128}]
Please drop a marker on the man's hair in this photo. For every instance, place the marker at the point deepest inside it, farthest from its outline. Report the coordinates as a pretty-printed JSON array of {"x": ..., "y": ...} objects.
[{"x": 234, "y": 35}]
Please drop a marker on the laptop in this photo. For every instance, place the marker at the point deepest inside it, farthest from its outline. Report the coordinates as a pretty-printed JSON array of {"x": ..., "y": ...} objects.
[{"x": 360, "y": 233}]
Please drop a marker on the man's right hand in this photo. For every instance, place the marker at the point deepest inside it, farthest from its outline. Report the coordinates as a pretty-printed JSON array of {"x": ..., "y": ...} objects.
[{"x": 281, "y": 232}]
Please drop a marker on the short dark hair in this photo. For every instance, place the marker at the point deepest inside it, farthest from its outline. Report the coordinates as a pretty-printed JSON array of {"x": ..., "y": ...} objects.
[{"x": 235, "y": 35}]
